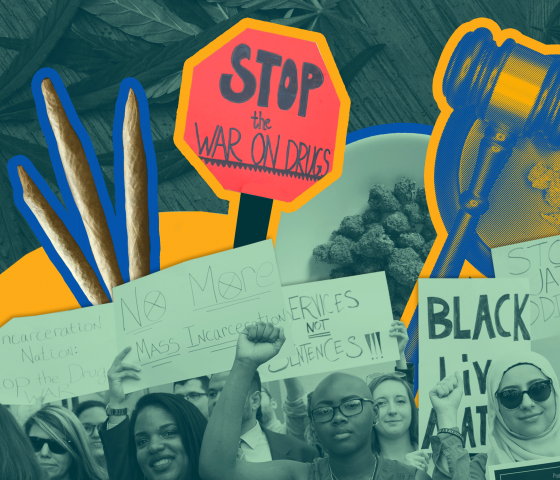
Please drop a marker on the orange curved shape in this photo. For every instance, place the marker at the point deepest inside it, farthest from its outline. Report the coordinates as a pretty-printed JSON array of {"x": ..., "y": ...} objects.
[{"x": 33, "y": 286}]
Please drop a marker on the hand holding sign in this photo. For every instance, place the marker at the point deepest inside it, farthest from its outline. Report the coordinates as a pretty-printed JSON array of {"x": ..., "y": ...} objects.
[
  {"x": 257, "y": 344},
  {"x": 419, "y": 459},
  {"x": 446, "y": 397},
  {"x": 398, "y": 330},
  {"x": 187, "y": 318},
  {"x": 116, "y": 374}
]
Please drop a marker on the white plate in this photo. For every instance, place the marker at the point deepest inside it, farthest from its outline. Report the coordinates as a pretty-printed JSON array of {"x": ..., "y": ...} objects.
[{"x": 379, "y": 159}]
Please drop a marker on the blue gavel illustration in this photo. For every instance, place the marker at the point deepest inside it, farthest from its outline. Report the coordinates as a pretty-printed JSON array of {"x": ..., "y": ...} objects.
[{"x": 515, "y": 92}]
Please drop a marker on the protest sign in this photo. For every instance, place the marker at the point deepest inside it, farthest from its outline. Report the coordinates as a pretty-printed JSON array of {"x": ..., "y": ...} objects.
[
  {"x": 262, "y": 116},
  {"x": 544, "y": 469},
  {"x": 263, "y": 111},
  {"x": 336, "y": 324},
  {"x": 464, "y": 324},
  {"x": 184, "y": 321},
  {"x": 58, "y": 355},
  {"x": 535, "y": 260}
]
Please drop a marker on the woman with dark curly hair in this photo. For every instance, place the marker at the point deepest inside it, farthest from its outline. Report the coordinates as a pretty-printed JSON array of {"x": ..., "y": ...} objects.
[
  {"x": 17, "y": 460},
  {"x": 61, "y": 445},
  {"x": 163, "y": 438}
]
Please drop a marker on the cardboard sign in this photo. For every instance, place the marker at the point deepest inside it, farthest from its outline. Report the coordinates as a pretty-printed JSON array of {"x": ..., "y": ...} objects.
[
  {"x": 59, "y": 355},
  {"x": 336, "y": 324},
  {"x": 535, "y": 260},
  {"x": 464, "y": 324},
  {"x": 184, "y": 321},
  {"x": 263, "y": 111},
  {"x": 548, "y": 469}
]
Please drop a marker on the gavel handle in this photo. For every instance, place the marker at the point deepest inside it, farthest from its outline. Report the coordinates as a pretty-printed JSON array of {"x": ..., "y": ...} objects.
[
  {"x": 495, "y": 150},
  {"x": 454, "y": 251}
]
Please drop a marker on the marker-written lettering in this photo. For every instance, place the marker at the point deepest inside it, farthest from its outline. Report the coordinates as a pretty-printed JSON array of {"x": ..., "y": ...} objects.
[{"x": 226, "y": 289}]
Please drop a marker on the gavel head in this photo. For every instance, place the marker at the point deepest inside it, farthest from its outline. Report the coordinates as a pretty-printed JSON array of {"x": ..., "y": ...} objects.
[{"x": 511, "y": 86}]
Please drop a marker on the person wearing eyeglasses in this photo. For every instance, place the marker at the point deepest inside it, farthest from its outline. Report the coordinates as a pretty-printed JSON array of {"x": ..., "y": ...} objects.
[
  {"x": 91, "y": 415},
  {"x": 523, "y": 424},
  {"x": 342, "y": 414},
  {"x": 61, "y": 445},
  {"x": 194, "y": 390},
  {"x": 402, "y": 442}
]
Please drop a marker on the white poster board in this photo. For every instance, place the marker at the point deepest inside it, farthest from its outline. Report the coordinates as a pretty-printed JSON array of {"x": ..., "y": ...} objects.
[
  {"x": 184, "y": 321},
  {"x": 336, "y": 324},
  {"x": 463, "y": 325},
  {"x": 58, "y": 355},
  {"x": 536, "y": 260},
  {"x": 545, "y": 469}
]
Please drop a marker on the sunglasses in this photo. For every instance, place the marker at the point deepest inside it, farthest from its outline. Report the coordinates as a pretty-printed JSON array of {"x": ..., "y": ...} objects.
[
  {"x": 538, "y": 392},
  {"x": 55, "y": 447}
]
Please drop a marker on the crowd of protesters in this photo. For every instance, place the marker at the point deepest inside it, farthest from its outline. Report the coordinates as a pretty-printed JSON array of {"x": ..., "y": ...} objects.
[{"x": 225, "y": 426}]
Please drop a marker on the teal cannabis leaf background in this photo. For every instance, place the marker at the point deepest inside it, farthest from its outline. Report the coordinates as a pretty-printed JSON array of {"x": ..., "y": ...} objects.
[
  {"x": 386, "y": 50},
  {"x": 94, "y": 45}
]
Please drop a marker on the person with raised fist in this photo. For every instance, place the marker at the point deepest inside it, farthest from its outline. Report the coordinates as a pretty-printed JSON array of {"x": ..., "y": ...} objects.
[
  {"x": 523, "y": 423},
  {"x": 341, "y": 411}
]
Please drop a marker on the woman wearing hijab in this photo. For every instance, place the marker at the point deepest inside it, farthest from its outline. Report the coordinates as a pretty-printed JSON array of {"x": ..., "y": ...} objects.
[
  {"x": 342, "y": 415},
  {"x": 523, "y": 423}
]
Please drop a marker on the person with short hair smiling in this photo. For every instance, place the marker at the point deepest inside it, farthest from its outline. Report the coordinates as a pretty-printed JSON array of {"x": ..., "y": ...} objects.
[{"x": 194, "y": 390}]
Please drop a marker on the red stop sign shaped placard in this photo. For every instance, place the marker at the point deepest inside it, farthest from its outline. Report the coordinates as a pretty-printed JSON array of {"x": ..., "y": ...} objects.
[{"x": 263, "y": 111}]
